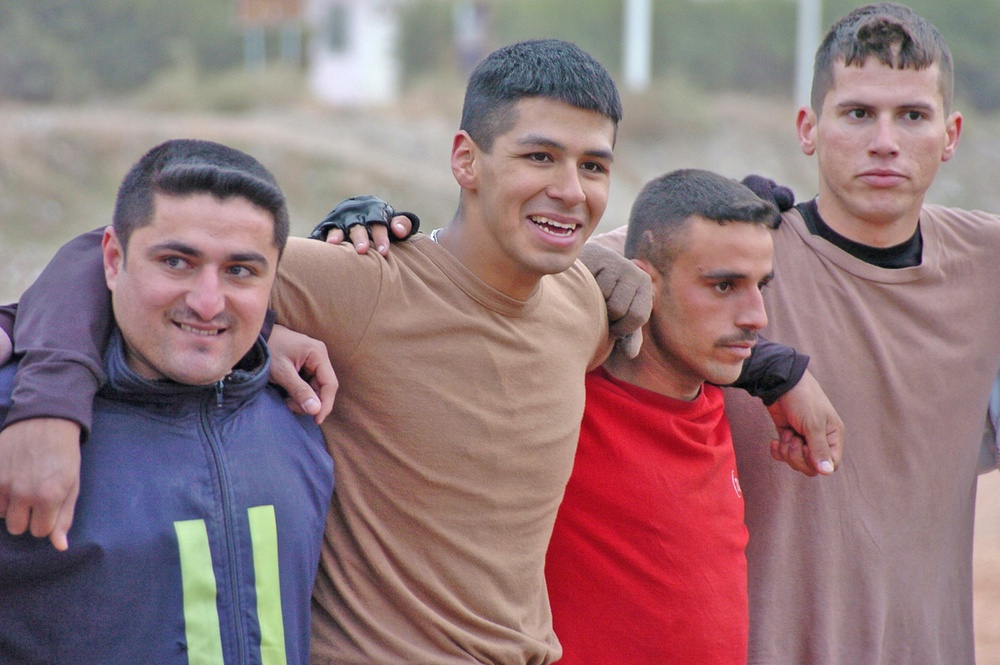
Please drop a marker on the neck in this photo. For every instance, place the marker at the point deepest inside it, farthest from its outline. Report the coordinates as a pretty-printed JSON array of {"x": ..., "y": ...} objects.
[
  {"x": 477, "y": 253},
  {"x": 652, "y": 372},
  {"x": 874, "y": 231}
]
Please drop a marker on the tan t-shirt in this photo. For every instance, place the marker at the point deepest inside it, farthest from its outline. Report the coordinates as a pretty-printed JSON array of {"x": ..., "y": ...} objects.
[
  {"x": 453, "y": 435},
  {"x": 873, "y": 564}
]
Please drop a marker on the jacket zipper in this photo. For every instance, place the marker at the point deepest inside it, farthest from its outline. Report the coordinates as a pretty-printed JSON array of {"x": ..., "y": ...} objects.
[{"x": 227, "y": 517}]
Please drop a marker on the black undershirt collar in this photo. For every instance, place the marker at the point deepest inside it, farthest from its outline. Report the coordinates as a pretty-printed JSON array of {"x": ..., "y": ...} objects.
[{"x": 904, "y": 255}]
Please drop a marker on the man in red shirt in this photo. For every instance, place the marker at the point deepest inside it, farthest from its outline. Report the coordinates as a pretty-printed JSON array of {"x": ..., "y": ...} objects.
[{"x": 647, "y": 562}]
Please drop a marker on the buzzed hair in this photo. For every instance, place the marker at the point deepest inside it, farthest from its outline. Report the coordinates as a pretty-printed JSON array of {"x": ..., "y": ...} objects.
[
  {"x": 184, "y": 167},
  {"x": 548, "y": 68},
  {"x": 662, "y": 212},
  {"x": 896, "y": 35}
]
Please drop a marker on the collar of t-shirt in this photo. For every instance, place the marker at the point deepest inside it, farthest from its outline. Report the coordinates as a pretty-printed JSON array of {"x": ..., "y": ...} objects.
[{"x": 903, "y": 255}]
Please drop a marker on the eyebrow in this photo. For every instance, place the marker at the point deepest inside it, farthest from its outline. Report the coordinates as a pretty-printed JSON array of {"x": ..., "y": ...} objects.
[
  {"x": 545, "y": 142},
  {"x": 853, "y": 104},
  {"x": 730, "y": 275},
  {"x": 188, "y": 250}
]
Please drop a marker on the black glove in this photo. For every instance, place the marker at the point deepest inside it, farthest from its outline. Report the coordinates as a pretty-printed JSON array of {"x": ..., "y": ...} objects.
[
  {"x": 365, "y": 210},
  {"x": 782, "y": 197}
]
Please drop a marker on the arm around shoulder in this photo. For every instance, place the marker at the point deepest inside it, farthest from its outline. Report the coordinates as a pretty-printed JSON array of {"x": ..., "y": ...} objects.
[{"x": 62, "y": 326}]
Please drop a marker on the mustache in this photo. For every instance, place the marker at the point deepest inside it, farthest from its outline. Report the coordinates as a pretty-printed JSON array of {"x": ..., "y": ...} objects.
[
  {"x": 188, "y": 315},
  {"x": 744, "y": 335}
]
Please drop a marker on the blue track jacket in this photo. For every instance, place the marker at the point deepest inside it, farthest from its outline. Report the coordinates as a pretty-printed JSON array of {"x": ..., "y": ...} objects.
[{"x": 196, "y": 537}]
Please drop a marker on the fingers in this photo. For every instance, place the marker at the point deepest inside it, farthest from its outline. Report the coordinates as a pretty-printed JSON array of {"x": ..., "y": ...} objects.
[
  {"x": 40, "y": 477},
  {"x": 826, "y": 456},
  {"x": 325, "y": 384},
  {"x": 630, "y": 344},
  {"x": 792, "y": 450},
  {"x": 380, "y": 238},
  {"x": 401, "y": 226},
  {"x": 359, "y": 238},
  {"x": 64, "y": 519},
  {"x": 824, "y": 433},
  {"x": 286, "y": 375},
  {"x": 301, "y": 365},
  {"x": 335, "y": 236},
  {"x": 820, "y": 454},
  {"x": 807, "y": 410},
  {"x": 18, "y": 516}
]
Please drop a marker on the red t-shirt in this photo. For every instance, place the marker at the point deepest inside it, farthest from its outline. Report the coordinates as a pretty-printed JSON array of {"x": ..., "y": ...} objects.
[{"x": 647, "y": 561}]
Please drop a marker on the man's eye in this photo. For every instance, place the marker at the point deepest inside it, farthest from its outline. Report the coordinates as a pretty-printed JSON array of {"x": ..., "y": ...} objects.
[
  {"x": 175, "y": 262},
  {"x": 857, "y": 114},
  {"x": 240, "y": 271},
  {"x": 539, "y": 157},
  {"x": 723, "y": 287},
  {"x": 594, "y": 167}
]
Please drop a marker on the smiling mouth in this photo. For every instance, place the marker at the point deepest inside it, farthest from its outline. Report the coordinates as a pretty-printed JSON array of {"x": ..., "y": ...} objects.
[
  {"x": 552, "y": 227},
  {"x": 197, "y": 331}
]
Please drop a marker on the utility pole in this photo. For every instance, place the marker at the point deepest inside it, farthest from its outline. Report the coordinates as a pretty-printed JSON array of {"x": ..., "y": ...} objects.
[
  {"x": 806, "y": 43},
  {"x": 637, "y": 44}
]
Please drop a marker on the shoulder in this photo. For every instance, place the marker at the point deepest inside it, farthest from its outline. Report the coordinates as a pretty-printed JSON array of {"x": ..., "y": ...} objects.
[
  {"x": 575, "y": 304},
  {"x": 973, "y": 228},
  {"x": 577, "y": 284},
  {"x": 306, "y": 251}
]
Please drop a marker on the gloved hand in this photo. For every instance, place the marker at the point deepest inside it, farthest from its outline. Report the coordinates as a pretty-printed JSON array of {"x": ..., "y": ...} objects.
[
  {"x": 767, "y": 189},
  {"x": 365, "y": 210},
  {"x": 627, "y": 290}
]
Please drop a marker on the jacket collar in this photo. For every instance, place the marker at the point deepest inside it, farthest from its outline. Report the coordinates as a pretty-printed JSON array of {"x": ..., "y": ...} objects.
[{"x": 248, "y": 377}]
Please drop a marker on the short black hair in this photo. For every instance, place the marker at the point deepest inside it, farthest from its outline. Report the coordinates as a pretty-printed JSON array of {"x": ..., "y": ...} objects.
[
  {"x": 893, "y": 33},
  {"x": 662, "y": 212},
  {"x": 182, "y": 167},
  {"x": 549, "y": 68}
]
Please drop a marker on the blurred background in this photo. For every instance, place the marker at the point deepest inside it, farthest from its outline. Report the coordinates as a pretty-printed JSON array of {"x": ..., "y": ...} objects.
[{"x": 342, "y": 97}]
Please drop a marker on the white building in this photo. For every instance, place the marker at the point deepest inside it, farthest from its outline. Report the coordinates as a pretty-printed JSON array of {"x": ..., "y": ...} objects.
[{"x": 352, "y": 51}]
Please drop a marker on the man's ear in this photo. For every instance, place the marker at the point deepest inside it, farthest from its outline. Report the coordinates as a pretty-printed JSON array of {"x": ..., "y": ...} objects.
[
  {"x": 654, "y": 275},
  {"x": 114, "y": 256},
  {"x": 463, "y": 160},
  {"x": 805, "y": 125},
  {"x": 953, "y": 124}
]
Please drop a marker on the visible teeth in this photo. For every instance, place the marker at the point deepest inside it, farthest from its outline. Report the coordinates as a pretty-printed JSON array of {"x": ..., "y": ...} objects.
[
  {"x": 204, "y": 333},
  {"x": 554, "y": 227}
]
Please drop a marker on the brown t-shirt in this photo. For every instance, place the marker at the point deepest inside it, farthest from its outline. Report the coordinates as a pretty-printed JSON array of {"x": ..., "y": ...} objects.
[
  {"x": 873, "y": 564},
  {"x": 453, "y": 435}
]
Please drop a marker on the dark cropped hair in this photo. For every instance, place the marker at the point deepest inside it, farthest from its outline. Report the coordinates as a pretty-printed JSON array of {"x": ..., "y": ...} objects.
[
  {"x": 182, "y": 167},
  {"x": 663, "y": 210},
  {"x": 896, "y": 35},
  {"x": 548, "y": 68}
]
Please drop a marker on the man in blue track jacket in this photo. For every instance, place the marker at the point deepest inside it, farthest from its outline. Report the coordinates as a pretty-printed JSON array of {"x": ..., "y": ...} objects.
[{"x": 202, "y": 500}]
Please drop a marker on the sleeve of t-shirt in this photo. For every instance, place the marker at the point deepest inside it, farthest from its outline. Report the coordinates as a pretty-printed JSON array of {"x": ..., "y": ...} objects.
[
  {"x": 771, "y": 370},
  {"x": 329, "y": 292},
  {"x": 62, "y": 325}
]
